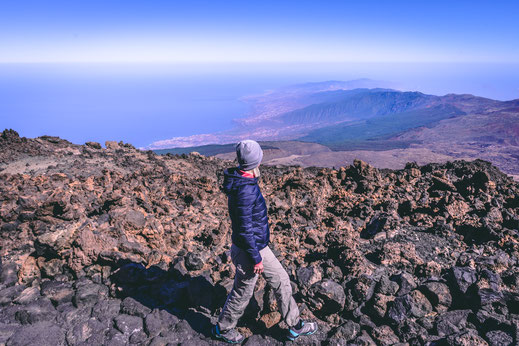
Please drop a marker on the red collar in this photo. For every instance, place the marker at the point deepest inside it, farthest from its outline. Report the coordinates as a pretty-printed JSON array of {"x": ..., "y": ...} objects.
[{"x": 245, "y": 174}]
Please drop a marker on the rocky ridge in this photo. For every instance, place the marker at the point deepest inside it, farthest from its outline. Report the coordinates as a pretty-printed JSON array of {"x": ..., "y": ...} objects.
[{"x": 121, "y": 246}]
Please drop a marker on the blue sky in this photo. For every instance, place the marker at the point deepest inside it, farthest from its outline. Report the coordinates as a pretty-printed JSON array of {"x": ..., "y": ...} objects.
[{"x": 259, "y": 31}]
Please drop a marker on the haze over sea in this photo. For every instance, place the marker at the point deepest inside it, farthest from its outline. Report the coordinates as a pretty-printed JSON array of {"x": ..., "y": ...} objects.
[{"x": 142, "y": 103}]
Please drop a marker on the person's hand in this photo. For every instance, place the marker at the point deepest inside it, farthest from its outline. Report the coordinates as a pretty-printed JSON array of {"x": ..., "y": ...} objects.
[{"x": 258, "y": 268}]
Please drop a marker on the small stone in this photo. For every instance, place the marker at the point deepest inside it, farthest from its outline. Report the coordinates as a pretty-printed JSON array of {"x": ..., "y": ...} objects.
[
  {"x": 412, "y": 304},
  {"x": 384, "y": 335},
  {"x": 468, "y": 338},
  {"x": 111, "y": 145},
  {"x": 438, "y": 293},
  {"x": 138, "y": 337},
  {"x": 463, "y": 278},
  {"x": 93, "y": 145},
  {"x": 89, "y": 294},
  {"x": 159, "y": 320},
  {"x": 307, "y": 276},
  {"x": 51, "y": 268},
  {"x": 347, "y": 331},
  {"x": 451, "y": 322},
  {"x": 193, "y": 261},
  {"x": 58, "y": 292},
  {"x": 128, "y": 324},
  {"x": 87, "y": 331},
  {"x": 405, "y": 281},
  {"x": 28, "y": 295},
  {"x": 132, "y": 307},
  {"x": 107, "y": 309}
]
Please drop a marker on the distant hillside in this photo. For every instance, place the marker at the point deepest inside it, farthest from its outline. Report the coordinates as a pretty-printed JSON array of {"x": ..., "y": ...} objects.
[
  {"x": 357, "y": 104},
  {"x": 374, "y": 133}
]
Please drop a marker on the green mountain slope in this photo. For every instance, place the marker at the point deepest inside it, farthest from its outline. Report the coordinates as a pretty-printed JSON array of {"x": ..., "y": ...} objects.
[
  {"x": 375, "y": 133},
  {"x": 356, "y": 105}
]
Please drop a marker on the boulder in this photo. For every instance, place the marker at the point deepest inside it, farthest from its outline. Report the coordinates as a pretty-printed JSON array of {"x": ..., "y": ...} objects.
[
  {"x": 42, "y": 333},
  {"x": 93, "y": 145},
  {"x": 412, "y": 304},
  {"x": 328, "y": 297}
]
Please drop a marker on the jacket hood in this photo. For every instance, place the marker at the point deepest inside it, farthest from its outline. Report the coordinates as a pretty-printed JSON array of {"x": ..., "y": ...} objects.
[{"x": 233, "y": 179}]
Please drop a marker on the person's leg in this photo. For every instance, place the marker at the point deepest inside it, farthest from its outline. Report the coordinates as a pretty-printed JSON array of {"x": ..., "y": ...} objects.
[
  {"x": 278, "y": 278},
  {"x": 242, "y": 291}
]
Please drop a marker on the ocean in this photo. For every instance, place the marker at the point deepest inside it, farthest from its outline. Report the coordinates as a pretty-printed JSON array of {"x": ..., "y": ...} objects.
[{"x": 143, "y": 103}]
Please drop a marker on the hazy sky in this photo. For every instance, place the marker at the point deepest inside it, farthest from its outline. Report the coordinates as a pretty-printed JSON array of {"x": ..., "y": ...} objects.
[{"x": 259, "y": 31}]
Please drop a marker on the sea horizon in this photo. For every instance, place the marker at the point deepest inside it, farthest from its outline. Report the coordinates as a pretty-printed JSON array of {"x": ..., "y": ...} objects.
[{"x": 140, "y": 103}]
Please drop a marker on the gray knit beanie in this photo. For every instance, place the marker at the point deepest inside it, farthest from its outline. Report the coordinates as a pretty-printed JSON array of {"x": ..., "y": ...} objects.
[{"x": 249, "y": 154}]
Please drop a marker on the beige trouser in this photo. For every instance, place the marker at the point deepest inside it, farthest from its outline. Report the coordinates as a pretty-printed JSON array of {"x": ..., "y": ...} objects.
[{"x": 243, "y": 289}]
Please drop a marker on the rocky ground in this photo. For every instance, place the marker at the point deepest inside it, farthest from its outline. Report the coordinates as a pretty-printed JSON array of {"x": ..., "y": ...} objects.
[{"x": 118, "y": 246}]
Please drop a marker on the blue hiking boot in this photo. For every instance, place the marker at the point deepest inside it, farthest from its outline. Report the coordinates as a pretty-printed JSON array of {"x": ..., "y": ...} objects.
[
  {"x": 231, "y": 336},
  {"x": 302, "y": 328}
]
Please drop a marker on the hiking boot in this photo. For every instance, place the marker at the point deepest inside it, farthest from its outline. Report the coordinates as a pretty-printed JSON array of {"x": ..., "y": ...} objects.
[
  {"x": 301, "y": 328},
  {"x": 231, "y": 336}
]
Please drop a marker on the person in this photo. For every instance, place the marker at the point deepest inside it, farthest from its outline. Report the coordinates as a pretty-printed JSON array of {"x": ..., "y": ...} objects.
[{"x": 250, "y": 252}]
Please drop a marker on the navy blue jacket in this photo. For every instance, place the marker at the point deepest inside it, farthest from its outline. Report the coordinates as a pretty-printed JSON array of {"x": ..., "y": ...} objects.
[{"x": 248, "y": 212}]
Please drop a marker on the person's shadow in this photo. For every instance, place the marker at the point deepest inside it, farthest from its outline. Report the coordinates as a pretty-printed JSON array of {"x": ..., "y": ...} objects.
[{"x": 194, "y": 299}]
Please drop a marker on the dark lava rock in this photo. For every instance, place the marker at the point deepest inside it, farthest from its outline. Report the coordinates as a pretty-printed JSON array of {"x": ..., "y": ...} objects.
[
  {"x": 328, "y": 297},
  {"x": 69, "y": 315},
  {"x": 106, "y": 310},
  {"x": 52, "y": 268},
  {"x": 128, "y": 324},
  {"x": 499, "y": 338},
  {"x": 406, "y": 283},
  {"x": 307, "y": 276},
  {"x": 7, "y": 295},
  {"x": 386, "y": 286},
  {"x": 132, "y": 307},
  {"x": 364, "y": 339},
  {"x": 469, "y": 337},
  {"x": 159, "y": 321},
  {"x": 36, "y": 311},
  {"x": 6, "y": 331},
  {"x": 194, "y": 261},
  {"x": 347, "y": 331},
  {"x": 412, "y": 304},
  {"x": 57, "y": 291},
  {"x": 28, "y": 295},
  {"x": 260, "y": 340},
  {"x": 438, "y": 294},
  {"x": 90, "y": 332},
  {"x": 93, "y": 145},
  {"x": 451, "y": 322},
  {"x": 384, "y": 335},
  {"x": 375, "y": 247},
  {"x": 89, "y": 294},
  {"x": 181, "y": 333},
  {"x": 41, "y": 333},
  {"x": 8, "y": 273},
  {"x": 412, "y": 332},
  {"x": 462, "y": 278},
  {"x": 116, "y": 338}
]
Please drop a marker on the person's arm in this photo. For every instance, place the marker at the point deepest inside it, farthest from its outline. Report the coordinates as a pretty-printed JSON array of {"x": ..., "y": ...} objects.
[{"x": 245, "y": 201}]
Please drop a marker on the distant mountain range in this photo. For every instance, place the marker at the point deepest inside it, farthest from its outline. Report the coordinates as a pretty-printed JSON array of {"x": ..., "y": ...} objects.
[{"x": 361, "y": 121}]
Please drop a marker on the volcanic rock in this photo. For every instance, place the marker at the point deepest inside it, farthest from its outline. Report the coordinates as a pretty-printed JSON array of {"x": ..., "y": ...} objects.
[{"x": 119, "y": 246}]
